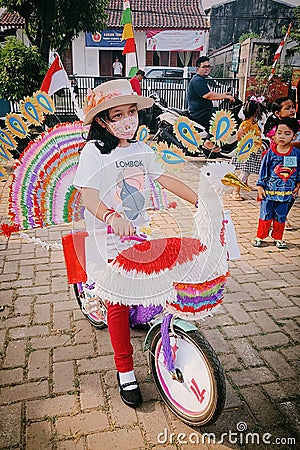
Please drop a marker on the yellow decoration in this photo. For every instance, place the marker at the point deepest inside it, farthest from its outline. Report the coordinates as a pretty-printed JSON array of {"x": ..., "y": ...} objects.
[
  {"x": 31, "y": 110},
  {"x": 187, "y": 134},
  {"x": 250, "y": 143},
  {"x": 3, "y": 172},
  {"x": 45, "y": 102},
  {"x": 142, "y": 133},
  {"x": 222, "y": 127},
  {"x": 16, "y": 125},
  {"x": 172, "y": 158},
  {"x": 7, "y": 140},
  {"x": 5, "y": 154}
]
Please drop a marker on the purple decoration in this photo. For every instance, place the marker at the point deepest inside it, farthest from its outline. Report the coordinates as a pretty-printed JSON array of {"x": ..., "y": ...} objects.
[
  {"x": 140, "y": 314},
  {"x": 168, "y": 359}
]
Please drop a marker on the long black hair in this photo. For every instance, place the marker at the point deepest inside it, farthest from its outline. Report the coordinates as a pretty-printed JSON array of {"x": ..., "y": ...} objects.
[
  {"x": 253, "y": 107},
  {"x": 273, "y": 120},
  {"x": 104, "y": 140}
]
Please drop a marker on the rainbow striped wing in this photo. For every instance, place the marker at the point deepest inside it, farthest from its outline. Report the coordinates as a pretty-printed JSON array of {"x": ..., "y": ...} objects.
[{"x": 42, "y": 193}]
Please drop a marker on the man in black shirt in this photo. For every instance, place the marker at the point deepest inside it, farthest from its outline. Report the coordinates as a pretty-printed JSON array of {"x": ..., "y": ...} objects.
[{"x": 199, "y": 95}]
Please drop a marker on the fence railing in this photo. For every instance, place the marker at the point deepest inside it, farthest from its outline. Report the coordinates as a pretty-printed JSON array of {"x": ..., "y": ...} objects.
[{"x": 172, "y": 90}]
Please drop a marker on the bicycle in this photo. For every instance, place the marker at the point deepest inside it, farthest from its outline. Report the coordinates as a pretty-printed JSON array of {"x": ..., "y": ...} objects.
[{"x": 185, "y": 368}]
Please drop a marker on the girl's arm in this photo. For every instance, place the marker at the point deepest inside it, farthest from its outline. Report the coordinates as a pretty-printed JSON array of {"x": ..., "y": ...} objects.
[
  {"x": 178, "y": 188},
  {"x": 91, "y": 201}
]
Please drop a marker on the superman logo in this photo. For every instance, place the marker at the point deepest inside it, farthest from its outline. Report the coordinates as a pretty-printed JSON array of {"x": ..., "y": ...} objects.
[{"x": 284, "y": 173}]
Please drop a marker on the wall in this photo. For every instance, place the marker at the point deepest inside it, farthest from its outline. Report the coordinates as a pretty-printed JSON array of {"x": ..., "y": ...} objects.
[{"x": 230, "y": 20}]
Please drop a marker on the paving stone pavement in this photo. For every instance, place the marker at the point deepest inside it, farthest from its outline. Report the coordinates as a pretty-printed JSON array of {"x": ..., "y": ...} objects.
[{"x": 58, "y": 383}]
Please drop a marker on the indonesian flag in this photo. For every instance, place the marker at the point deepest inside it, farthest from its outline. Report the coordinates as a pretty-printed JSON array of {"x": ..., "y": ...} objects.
[
  {"x": 56, "y": 78},
  {"x": 278, "y": 51},
  {"x": 128, "y": 34}
]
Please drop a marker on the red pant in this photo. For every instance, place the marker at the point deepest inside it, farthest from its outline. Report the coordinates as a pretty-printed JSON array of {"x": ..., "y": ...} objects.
[
  {"x": 119, "y": 331},
  {"x": 264, "y": 228}
]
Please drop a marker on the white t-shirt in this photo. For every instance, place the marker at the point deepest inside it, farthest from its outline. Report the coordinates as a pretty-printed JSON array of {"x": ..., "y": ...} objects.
[
  {"x": 123, "y": 179},
  {"x": 117, "y": 66}
]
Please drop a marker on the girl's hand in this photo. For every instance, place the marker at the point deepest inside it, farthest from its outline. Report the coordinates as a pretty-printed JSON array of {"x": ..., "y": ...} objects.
[
  {"x": 240, "y": 133},
  {"x": 120, "y": 226},
  {"x": 295, "y": 191},
  {"x": 260, "y": 193}
]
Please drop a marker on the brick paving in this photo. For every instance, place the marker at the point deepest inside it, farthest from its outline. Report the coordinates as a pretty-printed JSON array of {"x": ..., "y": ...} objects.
[{"x": 58, "y": 384}]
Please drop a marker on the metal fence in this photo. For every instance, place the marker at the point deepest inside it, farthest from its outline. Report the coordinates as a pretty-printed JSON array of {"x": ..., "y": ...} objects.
[{"x": 172, "y": 90}]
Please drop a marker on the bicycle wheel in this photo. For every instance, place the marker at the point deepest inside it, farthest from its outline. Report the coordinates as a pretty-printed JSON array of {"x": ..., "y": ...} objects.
[
  {"x": 96, "y": 318},
  {"x": 199, "y": 399}
]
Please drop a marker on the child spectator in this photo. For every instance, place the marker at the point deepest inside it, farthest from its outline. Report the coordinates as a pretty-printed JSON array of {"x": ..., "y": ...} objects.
[
  {"x": 278, "y": 182},
  {"x": 253, "y": 111}
]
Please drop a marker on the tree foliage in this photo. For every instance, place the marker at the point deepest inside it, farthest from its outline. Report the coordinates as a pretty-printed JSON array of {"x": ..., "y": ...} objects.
[
  {"x": 22, "y": 70},
  {"x": 52, "y": 24}
]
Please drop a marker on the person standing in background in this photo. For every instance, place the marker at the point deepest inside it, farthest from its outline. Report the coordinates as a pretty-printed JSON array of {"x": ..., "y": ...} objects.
[
  {"x": 117, "y": 67},
  {"x": 136, "y": 81}
]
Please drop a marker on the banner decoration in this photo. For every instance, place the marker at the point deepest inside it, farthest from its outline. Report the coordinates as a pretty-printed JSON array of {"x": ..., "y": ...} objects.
[
  {"x": 176, "y": 40},
  {"x": 278, "y": 52}
]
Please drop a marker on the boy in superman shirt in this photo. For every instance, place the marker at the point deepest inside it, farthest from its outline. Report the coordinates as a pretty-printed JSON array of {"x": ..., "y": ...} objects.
[{"x": 278, "y": 182}]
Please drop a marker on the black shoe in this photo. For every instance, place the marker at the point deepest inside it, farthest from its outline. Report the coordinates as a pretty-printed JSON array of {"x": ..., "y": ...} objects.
[{"x": 132, "y": 397}]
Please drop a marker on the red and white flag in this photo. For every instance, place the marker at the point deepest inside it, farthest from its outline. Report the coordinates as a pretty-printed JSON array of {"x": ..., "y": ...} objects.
[
  {"x": 279, "y": 50},
  {"x": 56, "y": 78}
]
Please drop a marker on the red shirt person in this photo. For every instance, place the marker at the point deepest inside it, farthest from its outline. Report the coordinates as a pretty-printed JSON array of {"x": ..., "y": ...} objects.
[{"x": 136, "y": 81}]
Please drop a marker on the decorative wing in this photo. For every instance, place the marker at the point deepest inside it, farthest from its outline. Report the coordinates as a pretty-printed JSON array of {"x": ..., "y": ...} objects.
[
  {"x": 142, "y": 133},
  {"x": 250, "y": 143},
  {"x": 222, "y": 127},
  {"x": 186, "y": 133},
  {"x": 41, "y": 193}
]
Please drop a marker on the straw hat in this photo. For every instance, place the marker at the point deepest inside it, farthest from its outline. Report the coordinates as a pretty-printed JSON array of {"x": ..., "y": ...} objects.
[{"x": 110, "y": 94}]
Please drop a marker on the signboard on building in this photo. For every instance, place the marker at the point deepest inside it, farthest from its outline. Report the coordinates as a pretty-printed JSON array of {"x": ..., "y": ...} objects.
[
  {"x": 235, "y": 58},
  {"x": 176, "y": 40},
  {"x": 107, "y": 39}
]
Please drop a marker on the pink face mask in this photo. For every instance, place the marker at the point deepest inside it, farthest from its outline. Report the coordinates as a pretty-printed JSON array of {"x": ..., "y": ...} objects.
[{"x": 125, "y": 128}]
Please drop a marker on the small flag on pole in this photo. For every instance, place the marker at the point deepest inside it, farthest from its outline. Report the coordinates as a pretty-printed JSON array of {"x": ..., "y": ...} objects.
[
  {"x": 279, "y": 50},
  {"x": 56, "y": 78}
]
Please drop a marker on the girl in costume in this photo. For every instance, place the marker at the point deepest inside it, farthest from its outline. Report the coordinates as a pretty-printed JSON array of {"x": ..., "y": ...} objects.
[
  {"x": 114, "y": 174},
  {"x": 278, "y": 182},
  {"x": 253, "y": 111},
  {"x": 282, "y": 107}
]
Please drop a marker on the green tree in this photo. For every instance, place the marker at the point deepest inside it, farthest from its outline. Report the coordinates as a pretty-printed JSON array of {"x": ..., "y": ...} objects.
[
  {"x": 21, "y": 70},
  {"x": 295, "y": 31},
  {"x": 52, "y": 24}
]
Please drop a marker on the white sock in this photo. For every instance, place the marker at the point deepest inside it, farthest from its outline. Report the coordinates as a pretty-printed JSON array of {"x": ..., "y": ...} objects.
[{"x": 127, "y": 377}]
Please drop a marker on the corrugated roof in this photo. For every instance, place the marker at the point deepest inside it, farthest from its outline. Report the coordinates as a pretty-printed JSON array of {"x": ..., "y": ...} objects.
[
  {"x": 11, "y": 20},
  {"x": 182, "y": 14}
]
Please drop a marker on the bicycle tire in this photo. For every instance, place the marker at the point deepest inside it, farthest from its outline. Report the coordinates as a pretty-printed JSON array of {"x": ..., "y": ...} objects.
[
  {"x": 183, "y": 398},
  {"x": 92, "y": 318}
]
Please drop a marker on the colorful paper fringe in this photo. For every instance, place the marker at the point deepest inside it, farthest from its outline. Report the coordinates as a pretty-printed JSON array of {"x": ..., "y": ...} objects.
[
  {"x": 41, "y": 193},
  {"x": 198, "y": 299}
]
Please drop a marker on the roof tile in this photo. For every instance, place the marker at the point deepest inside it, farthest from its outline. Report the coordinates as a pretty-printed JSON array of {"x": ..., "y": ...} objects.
[
  {"x": 11, "y": 20},
  {"x": 180, "y": 14}
]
